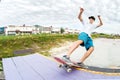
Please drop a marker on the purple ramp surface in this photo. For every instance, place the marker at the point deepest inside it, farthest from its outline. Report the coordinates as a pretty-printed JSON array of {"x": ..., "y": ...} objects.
[{"x": 36, "y": 67}]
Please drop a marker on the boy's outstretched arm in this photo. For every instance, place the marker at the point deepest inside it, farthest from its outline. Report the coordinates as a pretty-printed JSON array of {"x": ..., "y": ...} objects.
[
  {"x": 80, "y": 14},
  {"x": 100, "y": 21}
]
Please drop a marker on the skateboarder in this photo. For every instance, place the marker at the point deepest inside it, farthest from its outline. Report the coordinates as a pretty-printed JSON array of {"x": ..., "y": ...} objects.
[{"x": 84, "y": 38}]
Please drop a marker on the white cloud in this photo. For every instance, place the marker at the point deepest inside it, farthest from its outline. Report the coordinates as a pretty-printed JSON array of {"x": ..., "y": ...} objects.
[{"x": 56, "y": 12}]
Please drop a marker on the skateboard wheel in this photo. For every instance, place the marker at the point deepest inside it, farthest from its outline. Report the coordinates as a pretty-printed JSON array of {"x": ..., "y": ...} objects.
[
  {"x": 69, "y": 70},
  {"x": 60, "y": 66}
]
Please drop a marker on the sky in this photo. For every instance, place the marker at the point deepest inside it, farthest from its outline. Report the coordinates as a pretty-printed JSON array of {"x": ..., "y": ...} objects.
[{"x": 60, "y": 13}]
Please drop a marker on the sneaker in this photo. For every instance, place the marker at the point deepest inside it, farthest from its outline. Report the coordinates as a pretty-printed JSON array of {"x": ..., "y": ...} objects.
[
  {"x": 66, "y": 59},
  {"x": 81, "y": 64}
]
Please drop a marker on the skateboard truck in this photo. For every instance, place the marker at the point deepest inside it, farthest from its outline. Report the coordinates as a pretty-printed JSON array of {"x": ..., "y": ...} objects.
[{"x": 66, "y": 67}]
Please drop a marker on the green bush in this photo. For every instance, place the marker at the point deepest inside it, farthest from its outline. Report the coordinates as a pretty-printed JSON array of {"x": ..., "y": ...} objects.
[{"x": 39, "y": 43}]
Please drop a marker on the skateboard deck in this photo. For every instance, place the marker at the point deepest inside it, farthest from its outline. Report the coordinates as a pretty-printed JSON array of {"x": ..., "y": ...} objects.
[{"x": 65, "y": 65}]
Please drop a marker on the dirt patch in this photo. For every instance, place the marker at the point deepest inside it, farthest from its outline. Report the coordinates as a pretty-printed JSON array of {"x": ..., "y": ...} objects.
[{"x": 62, "y": 48}]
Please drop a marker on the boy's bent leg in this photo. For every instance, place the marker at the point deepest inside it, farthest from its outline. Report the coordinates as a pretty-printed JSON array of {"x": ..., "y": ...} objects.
[
  {"x": 74, "y": 46},
  {"x": 71, "y": 49},
  {"x": 87, "y": 54}
]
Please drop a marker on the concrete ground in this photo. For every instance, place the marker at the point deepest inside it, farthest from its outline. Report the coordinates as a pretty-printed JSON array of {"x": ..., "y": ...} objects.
[
  {"x": 105, "y": 55},
  {"x": 2, "y": 76}
]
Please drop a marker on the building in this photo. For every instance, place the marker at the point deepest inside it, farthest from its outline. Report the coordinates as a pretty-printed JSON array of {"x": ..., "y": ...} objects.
[
  {"x": 36, "y": 29},
  {"x": 56, "y": 30},
  {"x": 49, "y": 29},
  {"x": 20, "y": 30},
  {"x": 71, "y": 31},
  {"x": 46, "y": 29},
  {"x": 2, "y": 30}
]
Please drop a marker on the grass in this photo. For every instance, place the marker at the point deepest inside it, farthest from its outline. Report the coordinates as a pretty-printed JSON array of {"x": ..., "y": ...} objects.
[
  {"x": 102, "y": 35},
  {"x": 39, "y": 43},
  {"x": 1, "y": 68}
]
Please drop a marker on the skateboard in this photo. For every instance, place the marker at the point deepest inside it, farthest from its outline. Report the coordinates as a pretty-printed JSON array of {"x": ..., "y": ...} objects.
[{"x": 65, "y": 65}]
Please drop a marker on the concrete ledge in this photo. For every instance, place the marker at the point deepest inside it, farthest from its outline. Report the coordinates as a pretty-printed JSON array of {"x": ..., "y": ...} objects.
[
  {"x": 23, "y": 51},
  {"x": 107, "y": 70}
]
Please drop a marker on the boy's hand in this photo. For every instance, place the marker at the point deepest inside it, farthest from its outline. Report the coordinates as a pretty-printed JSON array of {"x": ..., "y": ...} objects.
[
  {"x": 81, "y": 9},
  {"x": 100, "y": 21},
  {"x": 80, "y": 14},
  {"x": 98, "y": 16}
]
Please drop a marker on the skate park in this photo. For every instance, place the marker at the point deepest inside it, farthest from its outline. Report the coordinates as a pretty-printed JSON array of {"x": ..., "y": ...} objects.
[{"x": 39, "y": 67}]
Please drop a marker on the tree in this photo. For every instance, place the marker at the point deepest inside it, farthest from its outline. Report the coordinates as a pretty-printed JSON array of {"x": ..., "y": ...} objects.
[{"x": 62, "y": 30}]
